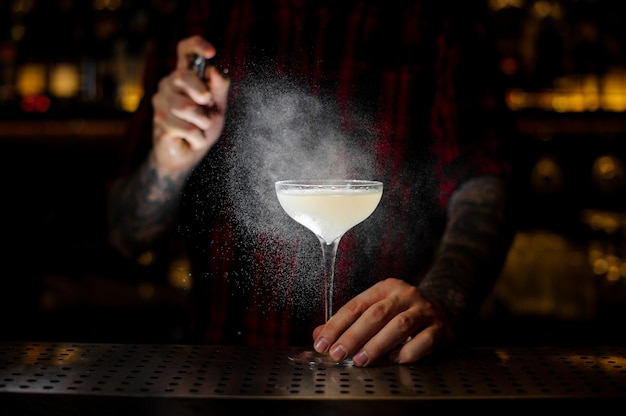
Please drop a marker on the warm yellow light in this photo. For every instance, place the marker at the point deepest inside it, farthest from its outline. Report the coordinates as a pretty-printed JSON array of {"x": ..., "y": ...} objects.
[
  {"x": 129, "y": 97},
  {"x": 547, "y": 175},
  {"x": 31, "y": 80},
  {"x": 179, "y": 275},
  {"x": 64, "y": 80},
  {"x": 147, "y": 258},
  {"x": 576, "y": 93},
  {"x": 596, "y": 222},
  {"x": 606, "y": 166},
  {"x": 613, "y": 274},
  {"x": 502, "y": 4},
  {"x": 517, "y": 99},
  {"x": 560, "y": 103},
  {"x": 600, "y": 266},
  {"x": 614, "y": 91},
  {"x": 614, "y": 101},
  {"x": 608, "y": 173},
  {"x": 542, "y": 9}
]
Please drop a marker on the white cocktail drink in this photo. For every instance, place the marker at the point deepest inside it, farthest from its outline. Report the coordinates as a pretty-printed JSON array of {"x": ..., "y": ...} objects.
[
  {"x": 329, "y": 212},
  {"x": 329, "y": 208}
]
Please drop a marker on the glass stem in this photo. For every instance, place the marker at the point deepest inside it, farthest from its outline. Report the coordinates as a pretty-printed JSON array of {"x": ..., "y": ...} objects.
[{"x": 329, "y": 255}]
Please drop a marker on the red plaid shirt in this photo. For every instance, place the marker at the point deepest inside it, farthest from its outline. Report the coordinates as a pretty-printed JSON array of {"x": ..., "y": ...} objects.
[{"x": 428, "y": 80}]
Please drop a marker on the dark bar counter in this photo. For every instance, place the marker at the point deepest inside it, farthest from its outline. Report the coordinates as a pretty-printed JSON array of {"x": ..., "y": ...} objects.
[{"x": 100, "y": 379}]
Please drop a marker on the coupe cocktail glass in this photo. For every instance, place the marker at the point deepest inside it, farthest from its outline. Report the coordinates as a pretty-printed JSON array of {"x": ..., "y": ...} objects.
[{"x": 329, "y": 208}]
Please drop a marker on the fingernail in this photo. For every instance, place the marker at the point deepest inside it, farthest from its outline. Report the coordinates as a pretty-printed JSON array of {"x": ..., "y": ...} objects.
[
  {"x": 360, "y": 359},
  {"x": 321, "y": 345},
  {"x": 338, "y": 353}
]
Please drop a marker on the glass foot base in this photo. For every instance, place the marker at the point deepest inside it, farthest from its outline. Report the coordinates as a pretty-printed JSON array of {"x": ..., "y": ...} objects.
[{"x": 315, "y": 359}]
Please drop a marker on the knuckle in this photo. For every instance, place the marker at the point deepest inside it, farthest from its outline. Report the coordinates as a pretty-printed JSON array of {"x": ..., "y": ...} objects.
[
  {"x": 179, "y": 76},
  {"x": 378, "y": 311},
  {"x": 404, "y": 323},
  {"x": 355, "y": 307},
  {"x": 412, "y": 290},
  {"x": 159, "y": 116}
]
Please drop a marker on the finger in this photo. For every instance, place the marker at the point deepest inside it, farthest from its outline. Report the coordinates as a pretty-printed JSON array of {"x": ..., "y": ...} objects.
[
  {"x": 317, "y": 331},
  {"x": 194, "y": 115},
  {"x": 328, "y": 334},
  {"x": 187, "y": 47},
  {"x": 418, "y": 347},
  {"x": 355, "y": 307},
  {"x": 396, "y": 332},
  {"x": 348, "y": 314},
  {"x": 172, "y": 126},
  {"x": 180, "y": 106},
  {"x": 186, "y": 82},
  {"x": 168, "y": 143},
  {"x": 382, "y": 327},
  {"x": 364, "y": 328},
  {"x": 219, "y": 87}
]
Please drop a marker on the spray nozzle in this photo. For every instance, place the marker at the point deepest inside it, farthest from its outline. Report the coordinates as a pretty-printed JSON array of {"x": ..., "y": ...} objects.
[{"x": 200, "y": 63}]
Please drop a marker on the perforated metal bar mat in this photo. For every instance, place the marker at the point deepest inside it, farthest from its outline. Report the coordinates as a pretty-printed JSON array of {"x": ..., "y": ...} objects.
[{"x": 184, "y": 379}]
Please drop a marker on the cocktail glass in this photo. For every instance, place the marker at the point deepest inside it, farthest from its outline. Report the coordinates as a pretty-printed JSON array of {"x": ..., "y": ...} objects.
[{"x": 329, "y": 208}]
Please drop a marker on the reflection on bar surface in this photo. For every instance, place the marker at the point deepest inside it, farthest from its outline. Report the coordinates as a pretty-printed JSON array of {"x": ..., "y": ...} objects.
[{"x": 220, "y": 378}]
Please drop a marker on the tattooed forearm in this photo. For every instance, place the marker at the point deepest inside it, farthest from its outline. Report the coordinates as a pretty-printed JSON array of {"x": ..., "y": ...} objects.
[
  {"x": 142, "y": 209},
  {"x": 473, "y": 248}
]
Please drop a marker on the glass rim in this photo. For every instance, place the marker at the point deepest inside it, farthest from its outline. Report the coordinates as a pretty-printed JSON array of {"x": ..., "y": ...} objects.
[{"x": 333, "y": 182}]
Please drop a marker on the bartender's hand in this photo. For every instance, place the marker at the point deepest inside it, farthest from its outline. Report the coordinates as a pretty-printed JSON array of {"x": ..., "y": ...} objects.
[
  {"x": 390, "y": 322},
  {"x": 188, "y": 112}
]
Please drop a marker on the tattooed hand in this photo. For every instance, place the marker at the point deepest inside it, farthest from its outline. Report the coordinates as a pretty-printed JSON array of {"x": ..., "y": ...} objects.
[{"x": 188, "y": 120}]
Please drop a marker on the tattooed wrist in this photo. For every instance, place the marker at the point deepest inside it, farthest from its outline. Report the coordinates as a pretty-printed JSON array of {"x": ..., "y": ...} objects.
[{"x": 147, "y": 208}]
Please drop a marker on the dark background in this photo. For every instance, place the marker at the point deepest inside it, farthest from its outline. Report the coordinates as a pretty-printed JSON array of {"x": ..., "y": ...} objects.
[{"x": 564, "y": 281}]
